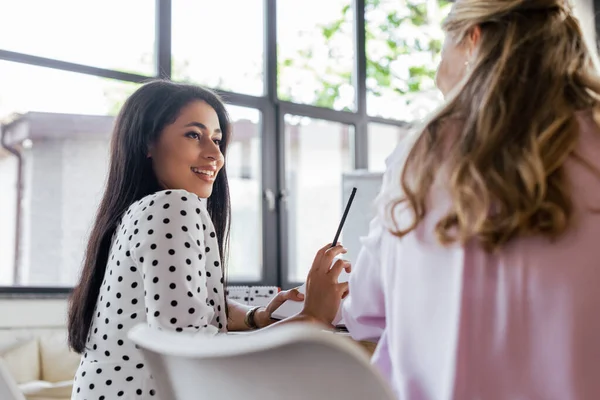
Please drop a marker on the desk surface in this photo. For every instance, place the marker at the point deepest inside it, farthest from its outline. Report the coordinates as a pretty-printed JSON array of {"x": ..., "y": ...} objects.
[{"x": 368, "y": 346}]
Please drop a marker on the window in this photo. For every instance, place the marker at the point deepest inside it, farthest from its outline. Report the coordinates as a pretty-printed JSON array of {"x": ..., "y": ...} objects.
[
  {"x": 110, "y": 34},
  {"x": 29, "y": 88},
  {"x": 66, "y": 68},
  {"x": 316, "y": 52},
  {"x": 219, "y": 44},
  {"x": 62, "y": 135},
  {"x": 318, "y": 154},
  {"x": 383, "y": 139},
  {"x": 403, "y": 41},
  {"x": 65, "y": 163},
  {"x": 244, "y": 174}
]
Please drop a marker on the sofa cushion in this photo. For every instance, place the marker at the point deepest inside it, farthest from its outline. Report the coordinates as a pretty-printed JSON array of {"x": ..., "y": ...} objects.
[
  {"x": 10, "y": 337},
  {"x": 58, "y": 363},
  {"x": 40, "y": 389},
  {"x": 23, "y": 360}
]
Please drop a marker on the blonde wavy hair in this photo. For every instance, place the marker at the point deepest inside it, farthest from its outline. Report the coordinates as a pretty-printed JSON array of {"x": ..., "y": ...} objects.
[{"x": 516, "y": 110}]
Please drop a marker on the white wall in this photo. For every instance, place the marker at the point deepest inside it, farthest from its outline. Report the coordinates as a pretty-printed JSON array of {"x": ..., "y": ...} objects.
[
  {"x": 38, "y": 313},
  {"x": 8, "y": 204}
]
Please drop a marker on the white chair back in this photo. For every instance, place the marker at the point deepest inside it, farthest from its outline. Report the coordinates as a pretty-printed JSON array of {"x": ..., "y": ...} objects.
[{"x": 292, "y": 362}]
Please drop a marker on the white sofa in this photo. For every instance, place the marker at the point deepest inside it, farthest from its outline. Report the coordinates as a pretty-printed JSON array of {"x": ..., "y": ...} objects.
[{"x": 39, "y": 361}]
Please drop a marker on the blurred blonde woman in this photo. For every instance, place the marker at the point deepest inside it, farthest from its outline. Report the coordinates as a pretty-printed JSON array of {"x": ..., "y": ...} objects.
[{"x": 480, "y": 277}]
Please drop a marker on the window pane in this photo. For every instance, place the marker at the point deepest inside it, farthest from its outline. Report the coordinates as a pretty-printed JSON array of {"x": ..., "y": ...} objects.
[
  {"x": 219, "y": 44},
  {"x": 62, "y": 134},
  {"x": 26, "y": 88},
  {"x": 318, "y": 153},
  {"x": 404, "y": 39},
  {"x": 316, "y": 52},
  {"x": 383, "y": 139},
  {"x": 244, "y": 173},
  {"x": 112, "y": 34}
]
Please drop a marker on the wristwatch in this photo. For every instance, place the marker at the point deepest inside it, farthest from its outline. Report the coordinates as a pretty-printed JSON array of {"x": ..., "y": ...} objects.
[{"x": 249, "y": 319}]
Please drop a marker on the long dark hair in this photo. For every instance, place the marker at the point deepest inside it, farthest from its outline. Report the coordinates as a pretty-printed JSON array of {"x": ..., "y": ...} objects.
[{"x": 131, "y": 177}]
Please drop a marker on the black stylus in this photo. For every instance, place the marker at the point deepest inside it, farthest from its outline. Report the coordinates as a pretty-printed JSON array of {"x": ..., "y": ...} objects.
[{"x": 341, "y": 225}]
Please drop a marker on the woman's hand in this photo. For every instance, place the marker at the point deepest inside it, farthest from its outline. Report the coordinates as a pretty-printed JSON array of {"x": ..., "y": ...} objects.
[
  {"x": 323, "y": 292},
  {"x": 262, "y": 317}
]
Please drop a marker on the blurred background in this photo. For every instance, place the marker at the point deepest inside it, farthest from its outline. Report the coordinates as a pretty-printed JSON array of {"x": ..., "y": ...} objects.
[{"x": 317, "y": 90}]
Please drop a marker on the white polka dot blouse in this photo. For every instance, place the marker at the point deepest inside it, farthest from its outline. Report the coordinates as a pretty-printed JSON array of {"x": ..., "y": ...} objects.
[{"x": 163, "y": 269}]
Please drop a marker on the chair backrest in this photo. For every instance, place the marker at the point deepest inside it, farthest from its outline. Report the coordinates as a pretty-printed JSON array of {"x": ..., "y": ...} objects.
[
  {"x": 292, "y": 362},
  {"x": 8, "y": 387}
]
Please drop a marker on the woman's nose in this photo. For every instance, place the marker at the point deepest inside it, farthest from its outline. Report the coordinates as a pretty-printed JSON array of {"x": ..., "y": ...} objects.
[{"x": 213, "y": 152}]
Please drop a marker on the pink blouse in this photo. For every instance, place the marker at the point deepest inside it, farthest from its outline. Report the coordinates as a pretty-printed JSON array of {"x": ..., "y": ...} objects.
[{"x": 459, "y": 323}]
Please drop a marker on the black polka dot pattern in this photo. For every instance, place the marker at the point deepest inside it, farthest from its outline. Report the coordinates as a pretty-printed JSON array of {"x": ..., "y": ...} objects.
[{"x": 158, "y": 274}]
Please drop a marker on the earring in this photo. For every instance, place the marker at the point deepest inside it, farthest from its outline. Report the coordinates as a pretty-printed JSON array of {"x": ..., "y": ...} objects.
[{"x": 467, "y": 66}]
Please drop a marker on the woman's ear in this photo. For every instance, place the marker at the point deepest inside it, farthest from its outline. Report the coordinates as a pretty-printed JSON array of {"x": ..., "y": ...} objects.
[
  {"x": 473, "y": 38},
  {"x": 149, "y": 152}
]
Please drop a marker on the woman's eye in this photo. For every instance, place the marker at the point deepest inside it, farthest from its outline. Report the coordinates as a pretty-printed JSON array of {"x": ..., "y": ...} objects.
[
  {"x": 192, "y": 135},
  {"x": 217, "y": 141}
]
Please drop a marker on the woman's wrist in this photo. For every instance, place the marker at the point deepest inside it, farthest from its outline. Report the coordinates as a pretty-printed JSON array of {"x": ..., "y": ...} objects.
[
  {"x": 303, "y": 316},
  {"x": 262, "y": 318},
  {"x": 251, "y": 318}
]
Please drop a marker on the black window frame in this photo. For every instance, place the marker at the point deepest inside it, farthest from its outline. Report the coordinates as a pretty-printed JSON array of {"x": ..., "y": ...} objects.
[{"x": 273, "y": 110}]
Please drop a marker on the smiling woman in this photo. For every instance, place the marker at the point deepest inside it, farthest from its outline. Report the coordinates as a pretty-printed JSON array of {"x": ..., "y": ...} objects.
[
  {"x": 188, "y": 154},
  {"x": 151, "y": 245},
  {"x": 157, "y": 249}
]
